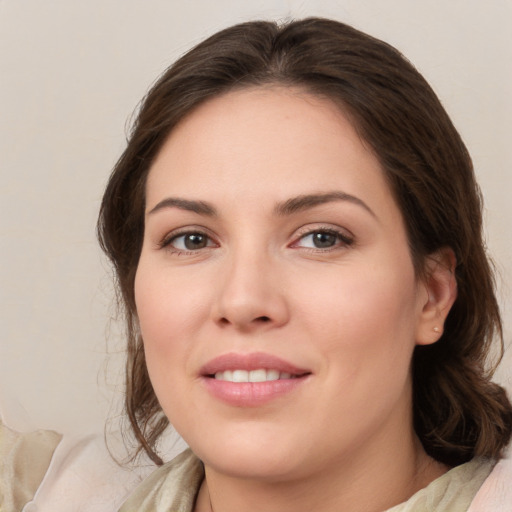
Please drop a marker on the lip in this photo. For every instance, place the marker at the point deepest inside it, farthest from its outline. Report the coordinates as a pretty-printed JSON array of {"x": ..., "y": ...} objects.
[
  {"x": 252, "y": 361},
  {"x": 251, "y": 394}
]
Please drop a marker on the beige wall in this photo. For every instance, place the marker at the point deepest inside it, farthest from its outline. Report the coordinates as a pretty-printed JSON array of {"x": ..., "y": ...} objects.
[{"x": 71, "y": 72}]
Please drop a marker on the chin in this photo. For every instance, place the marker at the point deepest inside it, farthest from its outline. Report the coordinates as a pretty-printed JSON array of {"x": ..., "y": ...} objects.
[
  {"x": 253, "y": 455},
  {"x": 254, "y": 465}
]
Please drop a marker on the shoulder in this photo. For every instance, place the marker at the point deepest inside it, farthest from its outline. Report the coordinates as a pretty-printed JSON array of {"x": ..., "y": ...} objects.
[
  {"x": 24, "y": 461},
  {"x": 173, "y": 486},
  {"x": 495, "y": 494},
  {"x": 45, "y": 471},
  {"x": 452, "y": 492}
]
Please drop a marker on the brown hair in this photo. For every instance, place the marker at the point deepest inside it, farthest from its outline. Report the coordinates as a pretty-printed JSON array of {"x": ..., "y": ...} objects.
[{"x": 458, "y": 412}]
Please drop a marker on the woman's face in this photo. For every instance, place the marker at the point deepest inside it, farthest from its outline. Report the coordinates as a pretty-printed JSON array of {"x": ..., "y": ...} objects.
[{"x": 276, "y": 294}]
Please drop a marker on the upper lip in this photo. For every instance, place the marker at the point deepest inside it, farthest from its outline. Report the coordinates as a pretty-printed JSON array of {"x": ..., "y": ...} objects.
[{"x": 251, "y": 361}]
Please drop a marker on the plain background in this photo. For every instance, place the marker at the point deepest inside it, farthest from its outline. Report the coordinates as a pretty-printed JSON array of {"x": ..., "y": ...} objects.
[{"x": 72, "y": 72}]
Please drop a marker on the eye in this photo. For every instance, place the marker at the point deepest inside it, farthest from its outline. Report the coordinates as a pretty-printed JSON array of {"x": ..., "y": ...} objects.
[
  {"x": 186, "y": 242},
  {"x": 323, "y": 239}
]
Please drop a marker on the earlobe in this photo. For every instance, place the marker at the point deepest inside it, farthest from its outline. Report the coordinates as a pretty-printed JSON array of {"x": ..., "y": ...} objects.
[{"x": 441, "y": 287}]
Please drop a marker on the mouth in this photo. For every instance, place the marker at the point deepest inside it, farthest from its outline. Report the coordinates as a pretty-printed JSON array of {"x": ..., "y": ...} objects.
[
  {"x": 259, "y": 375},
  {"x": 249, "y": 380},
  {"x": 252, "y": 367}
]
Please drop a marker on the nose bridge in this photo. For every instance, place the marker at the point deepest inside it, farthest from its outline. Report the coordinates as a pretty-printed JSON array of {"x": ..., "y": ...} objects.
[{"x": 250, "y": 294}]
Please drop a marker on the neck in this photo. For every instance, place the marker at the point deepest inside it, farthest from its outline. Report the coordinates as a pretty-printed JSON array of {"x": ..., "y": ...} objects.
[{"x": 369, "y": 482}]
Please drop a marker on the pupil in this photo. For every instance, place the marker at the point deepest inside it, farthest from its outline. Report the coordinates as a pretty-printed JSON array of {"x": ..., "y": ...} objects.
[
  {"x": 195, "y": 241},
  {"x": 322, "y": 240}
]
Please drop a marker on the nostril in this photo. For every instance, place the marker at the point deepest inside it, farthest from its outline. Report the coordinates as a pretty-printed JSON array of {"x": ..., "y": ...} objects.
[{"x": 259, "y": 320}]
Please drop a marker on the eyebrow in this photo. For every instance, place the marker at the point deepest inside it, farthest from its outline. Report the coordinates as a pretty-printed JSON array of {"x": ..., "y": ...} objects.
[
  {"x": 288, "y": 207},
  {"x": 305, "y": 202},
  {"x": 199, "y": 207}
]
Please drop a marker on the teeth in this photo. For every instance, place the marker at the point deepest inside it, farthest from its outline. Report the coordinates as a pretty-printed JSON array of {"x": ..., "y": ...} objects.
[
  {"x": 259, "y": 375},
  {"x": 240, "y": 376},
  {"x": 274, "y": 375}
]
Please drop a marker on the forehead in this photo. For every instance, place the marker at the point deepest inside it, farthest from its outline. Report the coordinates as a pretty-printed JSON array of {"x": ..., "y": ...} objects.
[{"x": 268, "y": 143}]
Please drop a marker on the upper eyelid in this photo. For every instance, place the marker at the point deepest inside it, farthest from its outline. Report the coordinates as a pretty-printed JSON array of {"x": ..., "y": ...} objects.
[
  {"x": 186, "y": 230},
  {"x": 296, "y": 235},
  {"x": 344, "y": 239},
  {"x": 315, "y": 227},
  {"x": 209, "y": 243}
]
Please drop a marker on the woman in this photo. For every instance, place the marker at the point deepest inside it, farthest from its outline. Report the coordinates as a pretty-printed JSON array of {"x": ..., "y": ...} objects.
[{"x": 296, "y": 231}]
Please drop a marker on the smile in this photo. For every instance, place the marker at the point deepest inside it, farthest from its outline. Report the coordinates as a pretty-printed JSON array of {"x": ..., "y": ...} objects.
[
  {"x": 259, "y": 375},
  {"x": 251, "y": 367},
  {"x": 251, "y": 380}
]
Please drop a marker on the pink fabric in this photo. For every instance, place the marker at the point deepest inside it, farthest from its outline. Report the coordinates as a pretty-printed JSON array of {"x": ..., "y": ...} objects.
[
  {"x": 495, "y": 495},
  {"x": 83, "y": 477}
]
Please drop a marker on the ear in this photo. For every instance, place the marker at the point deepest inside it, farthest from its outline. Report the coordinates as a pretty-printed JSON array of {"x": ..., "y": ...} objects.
[{"x": 441, "y": 291}]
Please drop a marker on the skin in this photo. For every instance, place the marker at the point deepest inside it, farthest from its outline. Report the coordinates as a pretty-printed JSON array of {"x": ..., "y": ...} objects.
[{"x": 350, "y": 311}]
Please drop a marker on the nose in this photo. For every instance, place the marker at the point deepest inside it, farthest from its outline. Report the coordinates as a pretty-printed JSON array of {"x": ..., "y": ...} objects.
[{"x": 251, "y": 296}]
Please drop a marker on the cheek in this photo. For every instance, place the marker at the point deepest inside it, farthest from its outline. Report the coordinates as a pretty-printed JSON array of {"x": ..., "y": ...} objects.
[
  {"x": 369, "y": 300},
  {"x": 167, "y": 300},
  {"x": 168, "y": 314},
  {"x": 365, "y": 321}
]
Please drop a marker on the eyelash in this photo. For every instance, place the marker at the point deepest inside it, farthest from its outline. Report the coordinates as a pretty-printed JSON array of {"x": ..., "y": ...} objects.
[
  {"x": 167, "y": 242},
  {"x": 342, "y": 240}
]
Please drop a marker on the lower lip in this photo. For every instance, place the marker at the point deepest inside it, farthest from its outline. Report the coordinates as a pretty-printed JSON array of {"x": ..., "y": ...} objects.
[{"x": 251, "y": 394}]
